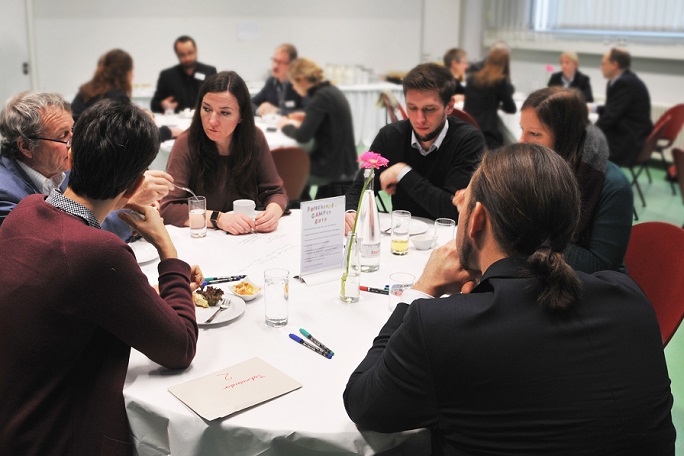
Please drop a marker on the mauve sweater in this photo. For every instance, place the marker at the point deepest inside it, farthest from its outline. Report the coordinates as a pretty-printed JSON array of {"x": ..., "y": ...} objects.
[
  {"x": 73, "y": 302},
  {"x": 268, "y": 187}
]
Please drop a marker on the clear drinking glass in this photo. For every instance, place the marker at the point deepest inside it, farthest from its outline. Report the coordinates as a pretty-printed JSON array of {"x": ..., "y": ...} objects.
[
  {"x": 276, "y": 296},
  {"x": 399, "y": 281},
  {"x": 197, "y": 207},
  {"x": 445, "y": 231},
  {"x": 401, "y": 221}
]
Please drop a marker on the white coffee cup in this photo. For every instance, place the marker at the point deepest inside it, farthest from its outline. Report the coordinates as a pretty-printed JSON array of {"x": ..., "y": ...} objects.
[{"x": 244, "y": 206}]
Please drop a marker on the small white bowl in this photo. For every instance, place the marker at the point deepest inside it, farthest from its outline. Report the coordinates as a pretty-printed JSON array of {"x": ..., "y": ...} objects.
[
  {"x": 423, "y": 241},
  {"x": 246, "y": 297}
]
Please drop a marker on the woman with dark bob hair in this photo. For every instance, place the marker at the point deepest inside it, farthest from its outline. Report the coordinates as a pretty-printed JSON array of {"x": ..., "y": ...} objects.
[
  {"x": 224, "y": 157},
  {"x": 557, "y": 118}
]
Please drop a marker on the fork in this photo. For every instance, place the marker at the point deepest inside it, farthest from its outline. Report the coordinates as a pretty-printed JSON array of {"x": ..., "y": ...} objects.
[{"x": 221, "y": 308}]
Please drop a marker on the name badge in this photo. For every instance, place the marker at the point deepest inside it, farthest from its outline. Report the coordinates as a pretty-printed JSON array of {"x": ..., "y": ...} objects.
[
  {"x": 200, "y": 76},
  {"x": 289, "y": 103}
]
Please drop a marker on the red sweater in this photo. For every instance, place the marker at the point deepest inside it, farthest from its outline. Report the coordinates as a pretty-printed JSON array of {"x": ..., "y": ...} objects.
[{"x": 73, "y": 302}]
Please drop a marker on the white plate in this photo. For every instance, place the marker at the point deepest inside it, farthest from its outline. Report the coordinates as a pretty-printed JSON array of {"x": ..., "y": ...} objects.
[
  {"x": 247, "y": 297},
  {"x": 144, "y": 251},
  {"x": 236, "y": 308},
  {"x": 416, "y": 227}
]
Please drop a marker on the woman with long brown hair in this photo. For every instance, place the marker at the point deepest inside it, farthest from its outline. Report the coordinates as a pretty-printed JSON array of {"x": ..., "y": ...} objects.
[
  {"x": 488, "y": 90},
  {"x": 224, "y": 157}
]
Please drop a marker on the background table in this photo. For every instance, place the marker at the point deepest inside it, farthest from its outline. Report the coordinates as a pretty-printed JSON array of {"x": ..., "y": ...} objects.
[
  {"x": 274, "y": 137},
  {"x": 308, "y": 421}
]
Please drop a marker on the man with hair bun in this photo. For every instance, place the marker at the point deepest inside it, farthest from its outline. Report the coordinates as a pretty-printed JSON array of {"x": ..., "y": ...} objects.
[{"x": 524, "y": 355}]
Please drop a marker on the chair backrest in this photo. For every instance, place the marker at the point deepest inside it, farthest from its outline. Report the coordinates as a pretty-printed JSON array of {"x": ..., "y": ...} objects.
[
  {"x": 678, "y": 158},
  {"x": 465, "y": 117},
  {"x": 293, "y": 165},
  {"x": 392, "y": 105},
  {"x": 651, "y": 141},
  {"x": 655, "y": 260},
  {"x": 675, "y": 115}
]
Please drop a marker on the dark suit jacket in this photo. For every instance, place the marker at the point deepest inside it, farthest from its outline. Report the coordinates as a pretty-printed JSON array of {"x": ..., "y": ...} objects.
[
  {"x": 580, "y": 82},
  {"x": 492, "y": 372},
  {"x": 184, "y": 88},
  {"x": 289, "y": 102},
  {"x": 625, "y": 119},
  {"x": 483, "y": 103}
]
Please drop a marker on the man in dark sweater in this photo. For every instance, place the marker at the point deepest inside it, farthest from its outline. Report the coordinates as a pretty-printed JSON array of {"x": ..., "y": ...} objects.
[
  {"x": 431, "y": 155},
  {"x": 80, "y": 299},
  {"x": 178, "y": 86}
]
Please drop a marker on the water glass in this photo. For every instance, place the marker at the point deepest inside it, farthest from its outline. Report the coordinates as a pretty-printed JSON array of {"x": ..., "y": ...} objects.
[
  {"x": 276, "y": 296},
  {"x": 445, "y": 231},
  {"x": 401, "y": 221},
  {"x": 399, "y": 281},
  {"x": 244, "y": 206},
  {"x": 197, "y": 207}
]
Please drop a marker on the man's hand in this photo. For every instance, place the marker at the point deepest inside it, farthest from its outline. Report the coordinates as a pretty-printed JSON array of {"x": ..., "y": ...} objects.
[
  {"x": 146, "y": 220},
  {"x": 388, "y": 178},
  {"x": 169, "y": 103},
  {"x": 196, "y": 277},
  {"x": 349, "y": 221},
  {"x": 267, "y": 108},
  {"x": 157, "y": 184},
  {"x": 444, "y": 274}
]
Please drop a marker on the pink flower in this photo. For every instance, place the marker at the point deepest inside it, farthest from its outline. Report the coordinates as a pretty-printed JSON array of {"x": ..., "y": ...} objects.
[
  {"x": 549, "y": 68},
  {"x": 372, "y": 160}
]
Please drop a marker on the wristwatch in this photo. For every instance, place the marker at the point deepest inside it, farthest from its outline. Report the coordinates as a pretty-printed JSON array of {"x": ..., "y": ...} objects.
[{"x": 214, "y": 219}]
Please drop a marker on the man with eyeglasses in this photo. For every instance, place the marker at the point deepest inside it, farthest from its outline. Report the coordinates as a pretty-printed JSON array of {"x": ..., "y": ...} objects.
[
  {"x": 431, "y": 154},
  {"x": 178, "y": 86},
  {"x": 36, "y": 137},
  {"x": 278, "y": 96}
]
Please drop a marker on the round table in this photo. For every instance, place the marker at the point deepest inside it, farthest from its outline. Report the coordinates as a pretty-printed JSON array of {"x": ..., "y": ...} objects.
[{"x": 310, "y": 420}]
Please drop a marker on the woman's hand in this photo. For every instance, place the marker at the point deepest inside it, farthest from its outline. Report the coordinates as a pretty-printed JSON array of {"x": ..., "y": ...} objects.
[
  {"x": 267, "y": 220},
  {"x": 147, "y": 221},
  {"x": 196, "y": 277},
  {"x": 235, "y": 223}
]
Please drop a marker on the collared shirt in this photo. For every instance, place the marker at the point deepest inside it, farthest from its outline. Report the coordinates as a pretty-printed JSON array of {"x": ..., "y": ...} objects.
[
  {"x": 71, "y": 207},
  {"x": 416, "y": 145},
  {"x": 45, "y": 184},
  {"x": 567, "y": 82}
]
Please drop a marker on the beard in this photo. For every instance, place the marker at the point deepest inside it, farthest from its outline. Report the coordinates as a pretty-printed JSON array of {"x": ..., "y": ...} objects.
[
  {"x": 189, "y": 66},
  {"x": 466, "y": 251},
  {"x": 432, "y": 135}
]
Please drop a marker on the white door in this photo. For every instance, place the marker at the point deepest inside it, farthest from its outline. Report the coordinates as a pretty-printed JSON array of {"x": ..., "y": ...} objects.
[{"x": 14, "y": 53}]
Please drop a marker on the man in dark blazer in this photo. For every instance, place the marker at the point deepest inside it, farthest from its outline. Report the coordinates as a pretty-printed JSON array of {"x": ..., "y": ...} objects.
[
  {"x": 178, "y": 86},
  {"x": 278, "y": 96},
  {"x": 571, "y": 77},
  {"x": 530, "y": 357},
  {"x": 625, "y": 119}
]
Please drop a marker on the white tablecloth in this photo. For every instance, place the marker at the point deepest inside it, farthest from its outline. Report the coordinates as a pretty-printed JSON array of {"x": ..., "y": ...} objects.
[
  {"x": 274, "y": 136},
  {"x": 308, "y": 421}
]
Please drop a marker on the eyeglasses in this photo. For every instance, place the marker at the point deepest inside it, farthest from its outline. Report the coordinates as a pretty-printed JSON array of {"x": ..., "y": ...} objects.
[
  {"x": 280, "y": 62},
  {"x": 67, "y": 142}
]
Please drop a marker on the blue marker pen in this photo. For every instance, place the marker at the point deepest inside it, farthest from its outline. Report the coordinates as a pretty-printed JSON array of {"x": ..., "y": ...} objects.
[
  {"x": 301, "y": 341},
  {"x": 213, "y": 280}
]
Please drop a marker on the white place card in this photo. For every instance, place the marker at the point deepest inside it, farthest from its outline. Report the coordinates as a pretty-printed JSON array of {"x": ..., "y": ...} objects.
[
  {"x": 234, "y": 388},
  {"x": 322, "y": 235}
]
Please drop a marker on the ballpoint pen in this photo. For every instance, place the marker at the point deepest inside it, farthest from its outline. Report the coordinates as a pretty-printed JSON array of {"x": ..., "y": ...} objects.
[
  {"x": 306, "y": 334},
  {"x": 213, "y": 280},
  {"x": 301, "y": 341}
]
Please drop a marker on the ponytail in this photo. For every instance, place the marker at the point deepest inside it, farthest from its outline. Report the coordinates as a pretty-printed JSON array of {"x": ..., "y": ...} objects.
[{"x": 560, "y": 286}]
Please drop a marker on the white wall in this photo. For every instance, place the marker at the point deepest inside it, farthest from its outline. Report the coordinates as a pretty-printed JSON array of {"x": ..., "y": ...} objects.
[{"x": 384, "y": 35}]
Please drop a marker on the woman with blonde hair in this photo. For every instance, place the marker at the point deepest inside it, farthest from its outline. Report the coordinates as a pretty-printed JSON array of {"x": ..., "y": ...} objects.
[
  {"x": 571, "y": 77},
  {"x": 488, "y": 90},
  {"x": 328, "y": 121}
]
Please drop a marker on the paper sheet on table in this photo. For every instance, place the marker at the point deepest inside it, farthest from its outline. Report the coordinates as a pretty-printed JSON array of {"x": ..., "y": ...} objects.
[
  {"x": 322, "y": 235},
  {"x": 234, "y": 388}
]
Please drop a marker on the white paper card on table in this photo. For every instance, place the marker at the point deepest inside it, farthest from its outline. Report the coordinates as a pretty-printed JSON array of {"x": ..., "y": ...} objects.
[
  {"x": 234, "y": 388},
  {"x": 322, "y": 235}
]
